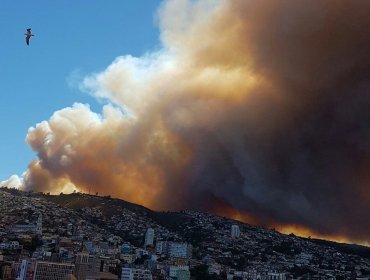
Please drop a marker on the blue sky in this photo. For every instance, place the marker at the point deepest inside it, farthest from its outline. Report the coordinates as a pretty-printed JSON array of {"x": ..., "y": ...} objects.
[{"x": 72, "y": 39}]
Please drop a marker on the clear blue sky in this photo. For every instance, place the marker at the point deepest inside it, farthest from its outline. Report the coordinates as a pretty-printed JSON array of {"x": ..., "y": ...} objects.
[{"x": 71, "y": 37}]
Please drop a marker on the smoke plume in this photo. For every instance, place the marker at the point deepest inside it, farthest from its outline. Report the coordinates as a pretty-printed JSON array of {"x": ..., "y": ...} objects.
[{"x": 251, "y": 108}]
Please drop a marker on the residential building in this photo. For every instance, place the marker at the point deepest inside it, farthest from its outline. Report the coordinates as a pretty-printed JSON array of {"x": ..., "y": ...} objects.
[
  {"x": 38, "y": 229},
  {"x": 235, "y": 231},
  {"x": 82, "y": 264},
  {"x": 53, "y": 271},
  {"x": 183, "y": 275},
  {"x": 7, "y": 272},
  {"x": 175, "y": 269},
  {"x": 276, "y": 276},
  {"x": 180, "y": 250},
  {"x": 128, "y": 258},
  {"x": 21, "y": 275},
  {"x": 149, "y": 237},
  {"x": 161, "y": 247},
  {"x": 135, "y": 274}
]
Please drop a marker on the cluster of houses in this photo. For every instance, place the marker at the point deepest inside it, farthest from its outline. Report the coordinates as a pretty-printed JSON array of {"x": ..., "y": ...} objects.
[{"x": 40, "y": 239}]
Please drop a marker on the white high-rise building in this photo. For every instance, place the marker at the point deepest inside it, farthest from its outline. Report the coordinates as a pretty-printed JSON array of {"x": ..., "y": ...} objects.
[
  {"x": 149, "y": 237},
  {"x": 38, "y": 228},
  {"x": 235, "y": 231}
]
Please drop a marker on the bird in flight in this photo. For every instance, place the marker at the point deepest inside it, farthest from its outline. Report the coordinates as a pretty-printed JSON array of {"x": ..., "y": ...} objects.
[{"x": 28, "y": 36}]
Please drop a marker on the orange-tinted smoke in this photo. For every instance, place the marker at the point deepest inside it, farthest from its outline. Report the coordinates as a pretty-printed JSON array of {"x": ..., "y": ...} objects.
[{"x": 261, "y": 104}]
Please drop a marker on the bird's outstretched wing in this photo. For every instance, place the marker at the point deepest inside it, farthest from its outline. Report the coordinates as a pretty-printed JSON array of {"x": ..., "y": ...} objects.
[{"x": 28, "y": 36}]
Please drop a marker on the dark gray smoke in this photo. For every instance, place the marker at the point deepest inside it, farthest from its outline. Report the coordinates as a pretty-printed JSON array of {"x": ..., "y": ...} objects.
[{"x": 258, "y": 106}]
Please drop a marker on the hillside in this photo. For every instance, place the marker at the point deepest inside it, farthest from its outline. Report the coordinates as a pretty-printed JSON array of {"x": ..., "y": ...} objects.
[
  {"x": 175, "y": 221},
  {"x": 210, "y": 236}
]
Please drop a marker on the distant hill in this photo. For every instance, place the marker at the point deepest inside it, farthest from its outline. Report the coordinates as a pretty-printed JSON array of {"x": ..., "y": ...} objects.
[
  {"x": 210, "y": 235},
  {"x": 108, "y": 205},
  {"x": 172, "y": 220}
]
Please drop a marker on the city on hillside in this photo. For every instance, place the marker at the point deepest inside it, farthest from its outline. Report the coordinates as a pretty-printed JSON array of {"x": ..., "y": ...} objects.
[{"x": 81, "y": 236}]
